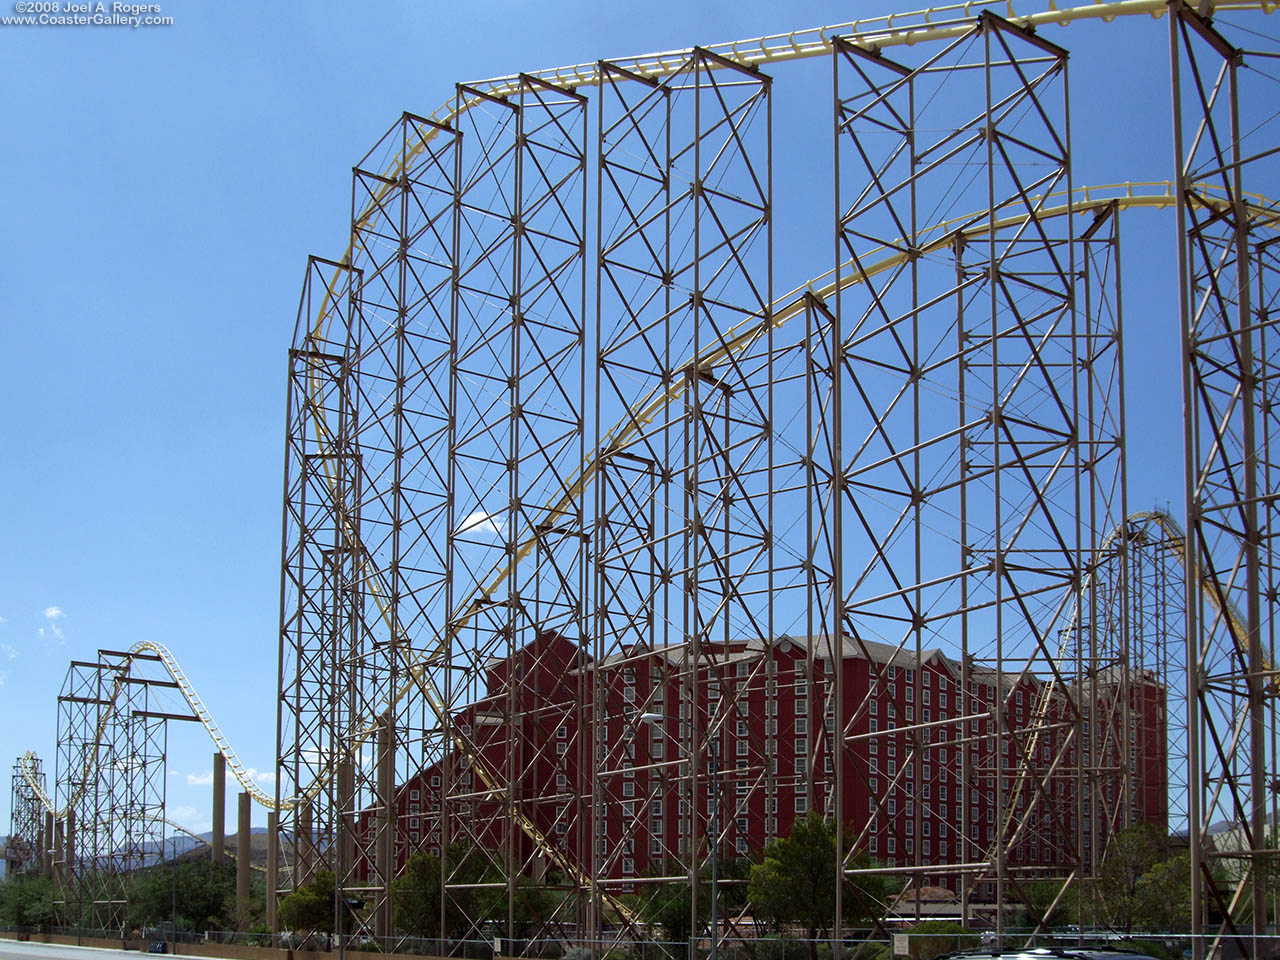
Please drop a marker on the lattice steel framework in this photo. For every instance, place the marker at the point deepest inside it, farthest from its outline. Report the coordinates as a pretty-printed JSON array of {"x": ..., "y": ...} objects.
[
  {"x": 320, "y": 551},
  {"x": 528, "y": 617},
  {"x": 112, "y": 735},
  {"x": 1224, "y": 135},
  {"x": 28, "y": 847}
]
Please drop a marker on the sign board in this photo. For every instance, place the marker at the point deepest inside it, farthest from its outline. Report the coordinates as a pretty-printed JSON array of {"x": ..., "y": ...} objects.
[{"x": 901, "y": 945}]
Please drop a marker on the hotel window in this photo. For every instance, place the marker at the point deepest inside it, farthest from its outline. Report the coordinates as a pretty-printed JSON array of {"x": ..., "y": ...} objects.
[
  {"x": 628, "y": 865},
  {"x": 925, "y": 696},
  {"x": 561, "y": 781},
  {"x": 413, "y": 794},
  {"x": 802, "y": 804},
  {"x": 874, "y": 707},
  {"x": 911, "y": 694},
  {"x": 742, "y": 668},
  {"x": 910, "y": 845},
  {"x": 826, "y": 763},
  {"x": 800, "y": 766},
  {"x": 942, "y": 699},
  {"x": 927, "y": 789},
  {"x": 801, "y": 746},
  {"x": 561, "y": 749},
  {"x": 713, "y": 691},
  {"x": 741, "y": 728},
  {"x": 655, "y": 847},
  {"x": 911, "y": 713},
  {"x": 926, "y": 828},
  {"x": 628, "y": 810},
  {"x": 873, "y": 784},
  {"x": 562, "y": 733},
  {"x": 741, "y": 845},
  {"x": 741, "y": 748},
  {"x": 628, "y": 788},
  {"x": 413, "y": 823},
  {"x": 802, "y": 725},
  {"x": 802, "y": 708},
  {"x": 874, "y": 725},
  {"x": 891, "y": 748},
  {"x": 891, "y": 806},
  {"x": 893, "y": 845},
  {"x": 655, "y": 827}
]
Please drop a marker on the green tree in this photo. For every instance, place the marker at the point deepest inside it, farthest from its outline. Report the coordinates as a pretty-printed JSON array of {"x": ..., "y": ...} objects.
[
  {"x": 1164, "y": 895},
  {"x": 195, "y": 894},
  {"x": 670, "y": 905},
  {"x": 26, "y": 901},
  {"x": 310, "y": 908},
  {"x": 795, "y": 884},
  {"x": 1138, "y": 885},
  {"x": 416, "y": 894}
]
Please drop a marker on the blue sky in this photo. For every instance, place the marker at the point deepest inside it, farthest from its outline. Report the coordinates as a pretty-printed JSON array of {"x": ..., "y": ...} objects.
[{"x": 164, "y": 188}]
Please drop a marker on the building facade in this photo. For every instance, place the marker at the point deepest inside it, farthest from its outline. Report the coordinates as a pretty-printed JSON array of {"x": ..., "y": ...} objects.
[{"x": 931, "y": 764}]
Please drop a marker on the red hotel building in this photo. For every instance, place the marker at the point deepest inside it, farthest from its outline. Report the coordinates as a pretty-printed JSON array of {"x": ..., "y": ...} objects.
[{"x": 938, "y": 762}]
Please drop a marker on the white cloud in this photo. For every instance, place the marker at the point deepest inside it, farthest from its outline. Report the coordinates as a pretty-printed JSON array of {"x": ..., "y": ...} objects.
[
  {"x": 194, "y": 819},
  {"x": 51, "y": 629},
  {"x": 479, "y": 522},
  {"x": 3, "y": 620},
  {"x": 4, "y": 675},
  {"x": 200, "y": 779},
  {"x": 9, "y": 651}
]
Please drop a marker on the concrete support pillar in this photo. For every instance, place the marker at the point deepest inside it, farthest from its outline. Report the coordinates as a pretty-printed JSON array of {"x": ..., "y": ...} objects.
[
  {"x": 273, "y": 868},
  {"x": 386, "y": 828},
  {"x": 219, "y": 839},
  {"x": 244, "y": 852}
]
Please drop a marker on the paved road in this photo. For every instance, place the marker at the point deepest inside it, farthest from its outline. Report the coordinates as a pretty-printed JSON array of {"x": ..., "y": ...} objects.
[{"x": 13, "y": 950}]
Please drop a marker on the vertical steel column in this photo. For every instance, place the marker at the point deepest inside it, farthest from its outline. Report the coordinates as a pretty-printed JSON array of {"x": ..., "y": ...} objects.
[
  {"x": 320, "y": 534},
  {"x": 633, "y": 588},
  {"x": 517, "y": 543},
  {"x": 28, "y": 840},
  {"x": 726, "y": 406},
  {"x": 958, "y": 414},
  {"x": 1224, "y": 141},
  {"x": 401, "y": 239}
]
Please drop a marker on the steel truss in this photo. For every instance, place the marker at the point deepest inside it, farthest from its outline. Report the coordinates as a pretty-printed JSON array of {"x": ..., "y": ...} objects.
[
  {"x": 919, "y": 464},
  {"x": 112, "y": 738},
  {"x": 28, "y": 847},
  {"x": 952, "y": 385},
  {"x": 1224, "y": 133},
  {"x": 320, "y": 555}
]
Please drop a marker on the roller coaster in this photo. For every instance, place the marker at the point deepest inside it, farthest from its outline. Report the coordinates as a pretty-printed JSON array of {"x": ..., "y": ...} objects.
[{"x": 548, "y": 390}]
